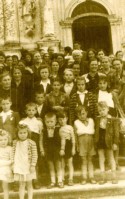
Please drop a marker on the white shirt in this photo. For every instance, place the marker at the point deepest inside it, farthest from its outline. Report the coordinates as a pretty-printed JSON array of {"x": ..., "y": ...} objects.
[
  {"x": 82, "y": 129},
  {"x": 107, "y": 97},
  {"x": 4, "y": 115},
  {"x": 68, "y": 87},
  {"x": 82, "y": 96},
  {"x": 39, "y": 108},
  {"x": 45, "y": 84},
  {"x": 34, "y": 124}
]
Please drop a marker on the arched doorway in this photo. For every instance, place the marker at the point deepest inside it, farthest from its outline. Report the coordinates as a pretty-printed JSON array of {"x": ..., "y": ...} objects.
[{"x": 91, "y": 27}]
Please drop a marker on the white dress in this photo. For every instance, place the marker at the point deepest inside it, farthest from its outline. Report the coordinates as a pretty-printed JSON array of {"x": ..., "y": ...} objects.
[
  {"x": 21, "y": 163},
  {"x": 5, "y": 164}
]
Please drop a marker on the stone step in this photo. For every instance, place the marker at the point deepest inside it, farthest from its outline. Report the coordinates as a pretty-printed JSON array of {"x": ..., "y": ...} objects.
[{"x": 78, "y": 191}]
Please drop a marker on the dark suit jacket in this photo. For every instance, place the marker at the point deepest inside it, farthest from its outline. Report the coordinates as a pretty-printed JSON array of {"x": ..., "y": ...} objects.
[
  {"x": 10, "y": 124},
  {"x": 112, "y": 131},
  {"x": 72, "y": 91}
]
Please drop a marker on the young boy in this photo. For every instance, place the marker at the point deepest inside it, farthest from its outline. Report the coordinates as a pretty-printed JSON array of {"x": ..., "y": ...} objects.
[
  {"x": 106, "y": 139},
  {"x": 67, "y": 151},
  {"x": 69, "y": 86},
  {"x": 50, "y": 145},
  {"x": 40, "y": 103},
  {"x": 8, "y": 118},
  {"x": 35, "y": 126}
]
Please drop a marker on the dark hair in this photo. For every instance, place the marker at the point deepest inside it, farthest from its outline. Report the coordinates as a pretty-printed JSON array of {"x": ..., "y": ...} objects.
[
  {"x": 79, "y": 109},
  {"x": 62, "y": 114},
  {"x": 116, "y": 59},
  {"x": 80, "y": 78},
  {"x": 50, "y": 115},
  {"x": 103, "y": 78},
  {"x": 43, "y": 66},
  {"x": 2, "y": 54},
  {"x": 95, "y": 59},
  {"x": 119, "y": 51}
]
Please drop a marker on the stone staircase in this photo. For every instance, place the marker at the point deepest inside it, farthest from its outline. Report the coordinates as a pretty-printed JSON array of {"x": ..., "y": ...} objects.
[{"x": 87, "y": 191}]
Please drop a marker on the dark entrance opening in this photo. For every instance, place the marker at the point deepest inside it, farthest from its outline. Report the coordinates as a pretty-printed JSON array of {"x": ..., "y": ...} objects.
[{"x": 93, "y": 30}]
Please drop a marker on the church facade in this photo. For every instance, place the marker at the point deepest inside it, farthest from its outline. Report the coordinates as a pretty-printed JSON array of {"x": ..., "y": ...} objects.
[{"x": 34, "y": 24}]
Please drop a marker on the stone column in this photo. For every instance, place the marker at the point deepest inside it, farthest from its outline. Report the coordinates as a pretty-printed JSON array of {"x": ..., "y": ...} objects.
[
  {"x": 116, "y": 25},
  {"x": 67, "y": 39},
  {"x": 48, "y": 29},
  {"x": 10, "y": 22}
]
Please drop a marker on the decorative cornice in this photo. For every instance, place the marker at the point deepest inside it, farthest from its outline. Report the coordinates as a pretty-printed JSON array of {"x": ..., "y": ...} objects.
[
  {"x": 66, "y": 23},
  {"x": 114, "y": 20}
]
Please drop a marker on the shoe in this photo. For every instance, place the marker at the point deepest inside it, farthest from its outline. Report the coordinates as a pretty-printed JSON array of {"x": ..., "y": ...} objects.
[
  {"x": 60, "y": 185},
  {"x": 92, "y": 181},
  {"x": 70, "y": 183},
  {"x": 36, "y": 185},
  {"x": 52, "y": 185},
  {"x": 114, "y": 181},
  {"x": 83, "y": 182},
  {"x": 102, "y": 182}
]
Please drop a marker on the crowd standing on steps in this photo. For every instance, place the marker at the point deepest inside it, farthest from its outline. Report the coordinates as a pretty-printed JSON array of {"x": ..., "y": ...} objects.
[{"x": 57, "y": 112}]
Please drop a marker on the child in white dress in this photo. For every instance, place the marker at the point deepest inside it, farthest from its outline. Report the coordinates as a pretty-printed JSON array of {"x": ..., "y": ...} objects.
[
  {"x": 6, "y": 175},
  {"x": 84, "y": 130},
  {"x": 24, "y": 161}
]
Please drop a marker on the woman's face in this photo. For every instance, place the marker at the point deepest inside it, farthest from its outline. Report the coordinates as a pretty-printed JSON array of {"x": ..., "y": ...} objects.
[
  {"x": 94, "y": 66},
  {"x": 55, "y": 66},
  {"x": 6, "y": 81},
  {"x": 17, "y": 74},
  {"x": 91, "y": 54}
]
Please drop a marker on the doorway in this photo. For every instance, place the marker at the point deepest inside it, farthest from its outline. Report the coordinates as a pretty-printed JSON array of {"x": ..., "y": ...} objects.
[{"x": 93, "y": 32}]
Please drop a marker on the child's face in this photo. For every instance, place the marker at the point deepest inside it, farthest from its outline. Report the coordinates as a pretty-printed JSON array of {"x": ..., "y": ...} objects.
[
  {"x": 3, "y": 141},
  {"x": 23, "y": 134},
  {"x": 62, "y": 121},
  {"x": 81, "y": 85},
  {"x": 44, "y": 73},
  {"x": 68, "y": 76},
  {"x": 31, "y": 111},
  {"x": 6, "y": 104},
  {"x": 55, "y": 66},
  {"x": 103, "y": 111},
  {"x": 83, "y": 115},
  {"x": 50, "y": 122},
  {"x": 56, "y": 86},
  {"x": 40, "y": 98},
  {"x": 103, "y": 85}
]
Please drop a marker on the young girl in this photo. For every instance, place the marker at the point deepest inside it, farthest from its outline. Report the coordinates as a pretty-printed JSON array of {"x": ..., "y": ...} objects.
[
  {"x": 106, "y": 139},
  {"x": 5, "y": 162},
  {"x": 24, "y": 161},
  {"x": 84, "y": 129},
  {"x": 67, "y": 150}
]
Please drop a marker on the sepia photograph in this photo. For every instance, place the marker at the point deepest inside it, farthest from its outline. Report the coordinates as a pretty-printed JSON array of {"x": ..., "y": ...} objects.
[{"x": 62, "y": 99}]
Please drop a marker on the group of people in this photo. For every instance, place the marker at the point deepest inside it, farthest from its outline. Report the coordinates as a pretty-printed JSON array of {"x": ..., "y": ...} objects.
[{"x": 56, "y": 107}]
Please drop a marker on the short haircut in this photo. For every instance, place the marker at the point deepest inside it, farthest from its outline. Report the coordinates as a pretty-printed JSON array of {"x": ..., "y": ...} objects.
[
  {"x": 39, "y": 91},
  {"x": 94, "y": 59},
  {"x": 68, "y": 70},
  {"x": 5, "y": 74},
  {"x": 103, "y": 78},
  {"x": 6, "y": 98},
  {"x": 80, "y": 78},
  {"x": 119, "y": 51},
  {"x": 50, "y": 115},
  {"x": 116, "y": 59},
  {"x": 43, "y": 66},
  {"x": 103, "y": 104},
  {"x": 80, "y": 108},
  {"x": 62, "y": 114},
  {"x": 31, "y": 104}
]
